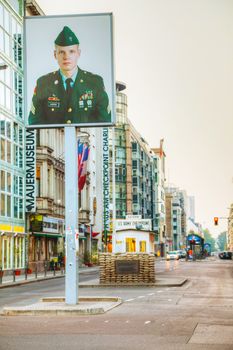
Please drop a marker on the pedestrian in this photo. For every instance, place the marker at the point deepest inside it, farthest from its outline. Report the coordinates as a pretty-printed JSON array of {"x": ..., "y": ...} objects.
[{"x": 70, "y": 94}]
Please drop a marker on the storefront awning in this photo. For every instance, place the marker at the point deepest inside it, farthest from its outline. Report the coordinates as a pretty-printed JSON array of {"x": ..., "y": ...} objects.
[
  {"x": 49, "y": 235},
  {"x": 94, "y": 234}
]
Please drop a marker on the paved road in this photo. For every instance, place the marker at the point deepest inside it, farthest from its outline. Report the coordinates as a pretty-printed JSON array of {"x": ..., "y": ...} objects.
[{"x": 198, "y": 315}]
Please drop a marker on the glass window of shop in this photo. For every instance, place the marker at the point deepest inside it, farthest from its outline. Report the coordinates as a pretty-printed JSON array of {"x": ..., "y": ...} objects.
[
  {"x": 6, "y": 252},
  {"x": 19, "y": 252}
]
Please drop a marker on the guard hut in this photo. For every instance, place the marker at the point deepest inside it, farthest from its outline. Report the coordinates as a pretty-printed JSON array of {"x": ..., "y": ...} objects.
[
  {"x": 132, "y": 261},
  {"x": 133, "y": 235}
]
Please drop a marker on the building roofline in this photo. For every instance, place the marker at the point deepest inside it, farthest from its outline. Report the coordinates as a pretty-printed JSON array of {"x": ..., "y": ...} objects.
[{"x": 34, "y": 8}]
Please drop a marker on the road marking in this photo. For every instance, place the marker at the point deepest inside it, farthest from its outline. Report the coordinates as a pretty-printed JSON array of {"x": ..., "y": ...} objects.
[
  {"x": 127, "y": 321},
  {"x": 147, "y": 322},
  {"x": 129, "y": 299},
  {"x": 87, "y": 321},
  {"x": 159, "y": 291},
  {"x": 151, "y": 294},
  {"x": 106, "y": 321},
  {"x": 141, "y": 296},
  {"x": 167, "y": 288},
  {"x": 169, "y": 299}
]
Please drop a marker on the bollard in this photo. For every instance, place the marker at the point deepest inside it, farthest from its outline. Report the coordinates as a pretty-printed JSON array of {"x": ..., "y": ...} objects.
[
  {"x": 13, "y": 275},
  {"x": 1, "y": 275},
  {"x": 26, "y": 272},
  {"x": 45, "y": 269},
  {"x": 54, "y": 271},
  {"x": 36, "y": 271}
]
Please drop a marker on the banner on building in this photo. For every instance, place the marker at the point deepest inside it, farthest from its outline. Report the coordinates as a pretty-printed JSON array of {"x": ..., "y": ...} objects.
[
  {"x": 72, "y": 82},
  {"x": 106, "y": 184},
  {"x": 30, "y": 177}
]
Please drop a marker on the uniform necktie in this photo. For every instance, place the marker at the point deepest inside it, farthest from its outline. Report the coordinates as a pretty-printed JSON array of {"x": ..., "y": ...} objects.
[{"x": 68, "y": 86}]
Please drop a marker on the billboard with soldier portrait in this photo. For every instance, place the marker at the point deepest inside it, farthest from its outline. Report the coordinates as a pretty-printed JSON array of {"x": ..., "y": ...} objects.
[{"x": 69, "y": 71}]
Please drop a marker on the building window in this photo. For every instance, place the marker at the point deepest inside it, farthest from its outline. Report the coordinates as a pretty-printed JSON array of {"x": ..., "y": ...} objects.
[
  {"x": 134, "y": 147},
  {"x": 142, "y": 245},
  {"x": 130, "y": 245},
  {"x": 5, "y": 189},
  {"x": 18, "y": 197},
  {"x": 18, "y": 136}
]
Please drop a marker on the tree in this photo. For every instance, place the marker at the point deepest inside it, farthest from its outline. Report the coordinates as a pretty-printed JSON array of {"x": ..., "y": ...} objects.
[
  {"x": 222, "y": 241},
  {"x": 209, "y": 239}
]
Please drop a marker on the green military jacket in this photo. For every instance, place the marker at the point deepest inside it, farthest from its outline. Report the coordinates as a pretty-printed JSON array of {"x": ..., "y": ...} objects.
[{"x": 88, "y": 102}]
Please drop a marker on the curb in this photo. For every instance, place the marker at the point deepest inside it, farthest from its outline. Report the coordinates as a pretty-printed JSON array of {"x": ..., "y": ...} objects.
[
  {"x": 81, "y": 285},
  {"x": 56, "y": 306},
  {"x": 39, "y": 279},
  {"x": 156, "y": 284},
  {"x": 20, "y": 283}
]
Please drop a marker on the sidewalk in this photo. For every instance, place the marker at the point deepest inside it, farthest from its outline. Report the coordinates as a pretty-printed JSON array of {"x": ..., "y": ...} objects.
[
  {"x": 161, "y": 280},
  {"x": 7, "y": 281}
]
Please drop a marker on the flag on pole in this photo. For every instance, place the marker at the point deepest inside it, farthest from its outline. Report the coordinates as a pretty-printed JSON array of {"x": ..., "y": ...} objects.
[{"x": 83, "y": 152}]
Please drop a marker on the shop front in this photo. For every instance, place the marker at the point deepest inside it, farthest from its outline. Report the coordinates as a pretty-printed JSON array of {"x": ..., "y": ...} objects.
[
  {"x": 12, "y": 247},
  {"x": 46, "y": 242}
]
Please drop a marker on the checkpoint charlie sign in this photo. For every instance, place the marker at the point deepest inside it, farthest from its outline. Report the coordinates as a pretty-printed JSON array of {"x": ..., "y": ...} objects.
[{"x": 135, "y": 223}]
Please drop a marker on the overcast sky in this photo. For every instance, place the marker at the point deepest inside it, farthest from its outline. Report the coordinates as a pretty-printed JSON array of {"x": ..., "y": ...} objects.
[{"x": 176, "y": 58}]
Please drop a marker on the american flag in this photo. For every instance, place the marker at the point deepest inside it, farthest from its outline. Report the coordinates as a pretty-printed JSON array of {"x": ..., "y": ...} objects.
[{"x": 83, "y": 152}]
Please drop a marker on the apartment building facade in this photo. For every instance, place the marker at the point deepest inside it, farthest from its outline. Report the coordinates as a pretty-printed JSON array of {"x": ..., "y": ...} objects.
[
  {"x": 136, "y": 182},
  {"x": 12, "y": 136}
]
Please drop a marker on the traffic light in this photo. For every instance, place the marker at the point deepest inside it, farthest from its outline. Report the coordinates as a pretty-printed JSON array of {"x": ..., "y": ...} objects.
[{"x": 216, "y": 220}]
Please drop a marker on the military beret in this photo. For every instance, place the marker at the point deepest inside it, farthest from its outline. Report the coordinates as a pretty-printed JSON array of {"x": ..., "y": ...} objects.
[{"x": 66, "y": 38}]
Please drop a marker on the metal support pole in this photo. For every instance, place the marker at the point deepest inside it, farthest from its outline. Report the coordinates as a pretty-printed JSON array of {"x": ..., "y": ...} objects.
[{"x": 71, "y": 217}]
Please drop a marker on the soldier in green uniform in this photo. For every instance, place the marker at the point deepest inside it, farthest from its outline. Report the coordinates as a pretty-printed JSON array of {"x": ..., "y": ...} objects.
[{"x": 69, "y": 95}]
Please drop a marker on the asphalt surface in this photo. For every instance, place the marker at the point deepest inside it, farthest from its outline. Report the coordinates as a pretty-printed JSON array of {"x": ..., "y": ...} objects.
[{"x": 198, "y": 315}]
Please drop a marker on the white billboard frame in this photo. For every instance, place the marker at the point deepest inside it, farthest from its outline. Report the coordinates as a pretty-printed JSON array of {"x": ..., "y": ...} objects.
[{"x": 95, "y": 34}]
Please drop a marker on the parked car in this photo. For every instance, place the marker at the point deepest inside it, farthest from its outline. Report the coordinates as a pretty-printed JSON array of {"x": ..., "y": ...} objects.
[
  {"x": 225, "y": 255},
  {"x": 182, "y": 253},
  {"x": 174, "y": 255}
]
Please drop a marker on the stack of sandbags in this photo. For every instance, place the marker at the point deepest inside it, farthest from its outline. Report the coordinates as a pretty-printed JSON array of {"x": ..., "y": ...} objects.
[{"x": 108, "y": 272}]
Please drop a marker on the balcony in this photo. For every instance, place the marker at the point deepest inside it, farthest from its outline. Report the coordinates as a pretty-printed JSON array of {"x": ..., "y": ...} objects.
[{"x": 84, "y": 216}]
